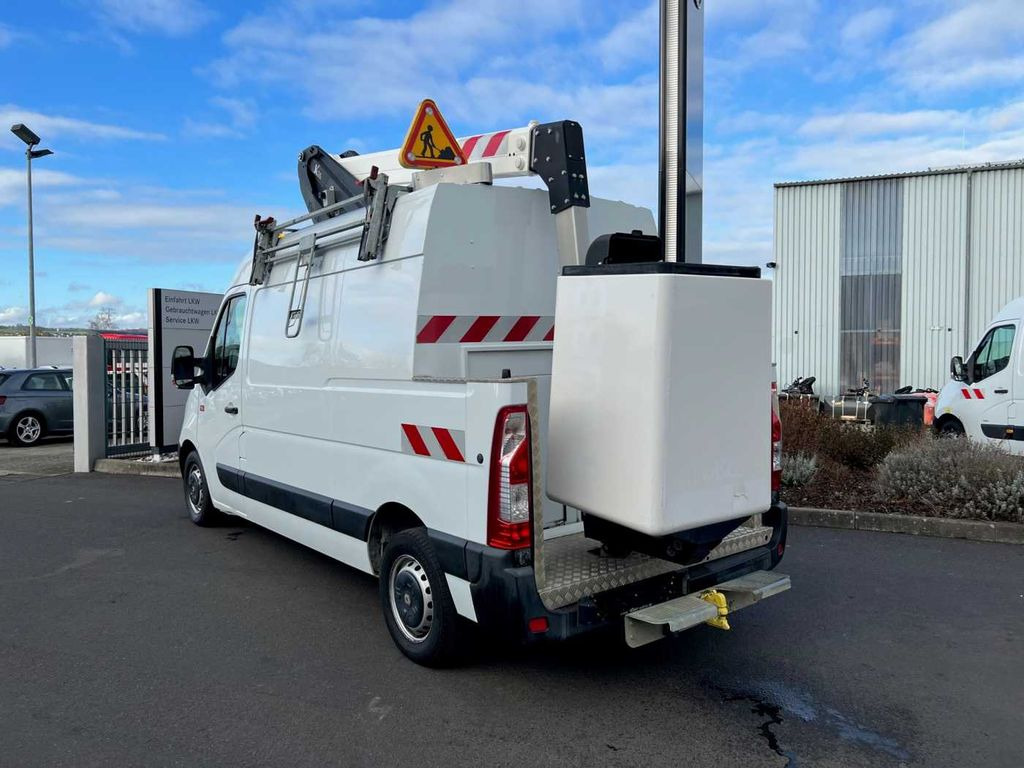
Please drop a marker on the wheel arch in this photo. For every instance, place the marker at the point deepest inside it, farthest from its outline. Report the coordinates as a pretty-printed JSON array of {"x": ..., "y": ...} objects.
[
  {"x": 389, "y": 519},
  {"x": 184, "y": 450},
  {"x": 947, "y": 418}
]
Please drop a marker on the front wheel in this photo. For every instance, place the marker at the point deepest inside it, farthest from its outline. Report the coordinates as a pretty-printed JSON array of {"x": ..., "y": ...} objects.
[
  {"x": 197, "y": 493},
  {"x": 951, "y": 428},
  {"x": 27, "y": 429},
  {"x": 418, "y": 608}
]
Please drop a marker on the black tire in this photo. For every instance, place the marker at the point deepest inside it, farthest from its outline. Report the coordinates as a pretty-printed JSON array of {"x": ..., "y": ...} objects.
[
  {"x": 422, "y": 618},
  {"x": 26, "y": 429},
  {"x": 951, "y": 428},
  {"x": 197, "y": 493}
]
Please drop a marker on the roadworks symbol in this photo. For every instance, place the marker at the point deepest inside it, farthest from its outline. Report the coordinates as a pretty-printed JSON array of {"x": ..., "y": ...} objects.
[{"x": 430, "y": 142}]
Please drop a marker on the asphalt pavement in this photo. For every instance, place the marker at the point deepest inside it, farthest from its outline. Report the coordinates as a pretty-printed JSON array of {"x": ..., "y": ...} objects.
[
  {"x": 128, "y": 636},
  {"x": 53, "y": 456}
]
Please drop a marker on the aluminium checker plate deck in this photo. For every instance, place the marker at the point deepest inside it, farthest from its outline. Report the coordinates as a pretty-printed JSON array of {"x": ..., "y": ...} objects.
[{"x": 574, "y": 567}]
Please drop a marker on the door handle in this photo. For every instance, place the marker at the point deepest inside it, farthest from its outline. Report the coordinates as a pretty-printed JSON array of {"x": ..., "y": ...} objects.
[
  {"x": 1001, "y": 391},
  {"x": 230, "y": 409}
]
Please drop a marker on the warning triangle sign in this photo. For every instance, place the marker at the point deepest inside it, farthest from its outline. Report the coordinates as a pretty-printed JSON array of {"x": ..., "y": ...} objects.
[{"x": 430, "y": 142}]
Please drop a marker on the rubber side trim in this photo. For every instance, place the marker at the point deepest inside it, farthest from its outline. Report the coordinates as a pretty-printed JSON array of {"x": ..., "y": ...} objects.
[{"x": 349, "y": 519}]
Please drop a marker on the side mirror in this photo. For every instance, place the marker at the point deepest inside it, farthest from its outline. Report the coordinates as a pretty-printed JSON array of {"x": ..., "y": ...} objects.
[
  {"x": 957, "y": 369},
  {"x": 183, "y": 367}
]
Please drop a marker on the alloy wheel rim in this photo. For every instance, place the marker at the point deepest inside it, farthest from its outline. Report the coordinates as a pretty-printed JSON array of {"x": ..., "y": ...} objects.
[
  {"x": 412, "y": 602},
  {"x": 28, "y": 429}
]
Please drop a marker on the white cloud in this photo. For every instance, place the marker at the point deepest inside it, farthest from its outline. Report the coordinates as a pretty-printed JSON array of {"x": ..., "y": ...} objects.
[
  {"x": 364, "y": 67},
  {"x": 171, "y": 18},
  {"x": 757, "y": 33},
  {"x": 881, "y": 123},
  {"x": 6, "y": 36},
  {"x": 632, "y": 40},
  {"x": 103, "y": 299},
  {"x": 751, "y": 121},
  {"x": 14, "y": 189},
  {"x": 865, "y": 29},
  {"x": 974, "y": 44},
  {"x": 13, "y": 315},
  {"x": 241, "y": 114},
  {"x": 77, "y": 314},
  {"x": 53, "y": 126},
  {"x": 136, "y": 222}
]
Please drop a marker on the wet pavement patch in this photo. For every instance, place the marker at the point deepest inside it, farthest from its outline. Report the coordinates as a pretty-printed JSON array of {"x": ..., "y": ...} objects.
[{"x": 773, "y": 702}]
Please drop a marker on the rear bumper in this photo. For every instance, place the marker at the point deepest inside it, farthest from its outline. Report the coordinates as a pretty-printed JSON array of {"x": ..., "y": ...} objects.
[{"x": 505, "y": 594}]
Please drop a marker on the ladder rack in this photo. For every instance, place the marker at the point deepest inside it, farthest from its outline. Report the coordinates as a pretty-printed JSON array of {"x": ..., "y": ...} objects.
[{"x": 377, "y": 198}]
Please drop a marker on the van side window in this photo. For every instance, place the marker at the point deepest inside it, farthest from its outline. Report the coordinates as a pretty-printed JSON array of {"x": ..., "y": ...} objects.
[
  {"x": 228, "y": 340},
  {"x": 994, "y": 353}
]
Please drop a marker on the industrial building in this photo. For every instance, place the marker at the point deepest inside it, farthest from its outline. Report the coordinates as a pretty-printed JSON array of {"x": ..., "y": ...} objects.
[{"x": 885, "y": 278}]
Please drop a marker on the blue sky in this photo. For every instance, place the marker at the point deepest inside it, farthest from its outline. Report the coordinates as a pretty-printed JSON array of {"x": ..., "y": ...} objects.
[{"x": 175, "y": 121}]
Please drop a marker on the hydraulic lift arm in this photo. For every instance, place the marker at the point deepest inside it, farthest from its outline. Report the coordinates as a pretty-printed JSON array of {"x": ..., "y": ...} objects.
[{"x": 552, "y": 151}]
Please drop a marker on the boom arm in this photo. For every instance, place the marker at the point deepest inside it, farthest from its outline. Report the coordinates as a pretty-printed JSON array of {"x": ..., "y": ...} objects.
[
  {"x": 553, "y": 151},
  {"x": 508, "y": 152}
]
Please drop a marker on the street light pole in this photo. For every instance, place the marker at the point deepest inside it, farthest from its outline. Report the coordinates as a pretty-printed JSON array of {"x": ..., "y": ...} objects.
[
  {"x": 31, "y": 270},
  {"x": 31, "y": 140}
]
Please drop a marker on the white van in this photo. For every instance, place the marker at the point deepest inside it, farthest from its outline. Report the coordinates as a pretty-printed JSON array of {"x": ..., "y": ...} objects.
[
  {"x": 984, "y": 398},
  {"x": 378, "y": 387}
]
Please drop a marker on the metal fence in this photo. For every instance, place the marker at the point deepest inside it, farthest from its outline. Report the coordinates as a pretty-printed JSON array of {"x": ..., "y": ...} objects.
[{"x": 127, "y": 372}]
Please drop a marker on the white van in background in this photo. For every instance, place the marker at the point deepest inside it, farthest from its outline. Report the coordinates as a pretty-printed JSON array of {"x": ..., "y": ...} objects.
[{"x": 984, "y": 398}]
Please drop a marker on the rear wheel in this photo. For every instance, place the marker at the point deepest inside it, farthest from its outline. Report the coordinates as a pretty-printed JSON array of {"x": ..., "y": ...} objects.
[
  {"x": 418, "y": 608},
  {"x": 27, "y": 429},
  {"x": 197, "y": 493}
]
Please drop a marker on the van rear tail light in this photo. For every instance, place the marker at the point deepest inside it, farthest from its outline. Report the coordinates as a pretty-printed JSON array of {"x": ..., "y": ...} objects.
[
  {"x": 2, "y": 401},
  {"x": 510, "y": 503},
  {"x": 776, "y": 445}
]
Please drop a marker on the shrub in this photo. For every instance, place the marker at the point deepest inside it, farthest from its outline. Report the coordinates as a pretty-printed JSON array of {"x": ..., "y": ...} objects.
[
  {"x": 798, "y": 469},
  {"x": 953, "y": 478},
  {"x": 801, "y": 428},
  {"x": 862, "y": 447},
  {"x": 805, "y": 431}
]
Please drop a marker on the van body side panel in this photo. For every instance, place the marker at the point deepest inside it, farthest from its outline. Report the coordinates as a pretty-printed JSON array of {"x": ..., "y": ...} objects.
[{"x": 336, "y": 414}]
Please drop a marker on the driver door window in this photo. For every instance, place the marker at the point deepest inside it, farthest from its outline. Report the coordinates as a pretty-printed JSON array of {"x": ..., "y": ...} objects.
[
  {"x": 227, "y": 341},
  {"x": 994, "y": 353}
]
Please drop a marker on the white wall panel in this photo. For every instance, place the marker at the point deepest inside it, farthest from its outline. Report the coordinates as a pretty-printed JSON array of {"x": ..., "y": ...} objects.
[
  {"x": 934, "y": 240},
  {"x": 807, "y": 249},
  {"x": 996, "y": 270}
]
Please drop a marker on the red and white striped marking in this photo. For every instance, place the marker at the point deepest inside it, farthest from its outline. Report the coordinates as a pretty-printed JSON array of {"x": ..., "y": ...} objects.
[
  {"x": 978, "y": 394},
  {"x": 435, "y": 442},
  {"x": 486, "y": 145},
  {"x": 468, "y": 329}
]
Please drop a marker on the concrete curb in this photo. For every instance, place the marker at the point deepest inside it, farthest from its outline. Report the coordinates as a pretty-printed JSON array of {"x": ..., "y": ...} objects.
[
  {"x": 133, "y": 467},
  {"x": 974, "y": 530}
]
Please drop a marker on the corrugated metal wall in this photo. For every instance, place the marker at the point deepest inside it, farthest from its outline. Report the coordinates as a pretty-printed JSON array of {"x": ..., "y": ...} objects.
[
  {"x": 826, "y": 232},
  {"x": 808, "y": 246},
  {"x": 996, "y": 270},
  {"x": 934, "y": 239}
]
